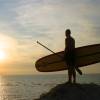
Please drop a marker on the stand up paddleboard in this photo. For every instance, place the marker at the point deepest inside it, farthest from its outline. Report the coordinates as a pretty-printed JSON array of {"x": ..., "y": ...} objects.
[{"x": 85, "y": 55}]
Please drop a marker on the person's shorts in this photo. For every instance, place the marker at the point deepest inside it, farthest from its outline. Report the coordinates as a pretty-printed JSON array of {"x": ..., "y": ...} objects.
[{"x": 70, "y": 59}]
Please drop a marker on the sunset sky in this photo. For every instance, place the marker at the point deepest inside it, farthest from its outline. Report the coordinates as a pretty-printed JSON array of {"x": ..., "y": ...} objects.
[{"x": 23, "y": 22}]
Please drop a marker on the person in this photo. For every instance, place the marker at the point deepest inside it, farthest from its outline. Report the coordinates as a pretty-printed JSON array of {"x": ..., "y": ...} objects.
[{"x": 69, "y": 56}]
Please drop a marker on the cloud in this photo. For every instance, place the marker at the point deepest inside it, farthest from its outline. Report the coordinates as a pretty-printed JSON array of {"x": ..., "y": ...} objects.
[{"x": 43, "y": 20}]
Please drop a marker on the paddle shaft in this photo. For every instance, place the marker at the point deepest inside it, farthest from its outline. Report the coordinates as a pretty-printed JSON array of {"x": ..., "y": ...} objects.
[{"x": 49, "y": 49}]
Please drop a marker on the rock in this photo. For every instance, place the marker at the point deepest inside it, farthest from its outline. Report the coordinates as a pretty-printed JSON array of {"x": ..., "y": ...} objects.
[{"x": 73, "y": 92}]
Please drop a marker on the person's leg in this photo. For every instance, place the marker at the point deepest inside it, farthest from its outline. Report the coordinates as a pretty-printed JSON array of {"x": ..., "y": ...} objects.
[
  {"x": 69, "y": 70},
  {"x": 74, "y": 76},
  {"x": 69, "y": 75}
]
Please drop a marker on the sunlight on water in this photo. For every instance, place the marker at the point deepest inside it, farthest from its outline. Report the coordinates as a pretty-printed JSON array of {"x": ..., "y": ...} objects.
[{"x": 1, "y": 88}]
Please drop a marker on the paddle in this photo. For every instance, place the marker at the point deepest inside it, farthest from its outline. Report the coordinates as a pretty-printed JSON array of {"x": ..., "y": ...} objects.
[
  {"x": 78, "y": 70},
  {"x": 49, "y": 50}
]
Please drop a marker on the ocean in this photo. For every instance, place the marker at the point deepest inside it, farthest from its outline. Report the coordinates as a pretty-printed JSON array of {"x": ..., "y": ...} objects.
[{"x": 30, "y": 87}]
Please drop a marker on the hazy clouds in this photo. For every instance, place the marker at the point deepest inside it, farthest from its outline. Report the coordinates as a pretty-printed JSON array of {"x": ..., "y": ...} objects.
[{"x": 27, "y": 21}]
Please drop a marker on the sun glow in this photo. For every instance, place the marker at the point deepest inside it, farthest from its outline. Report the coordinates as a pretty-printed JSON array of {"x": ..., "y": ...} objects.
[{"x": 2, "y": 55}]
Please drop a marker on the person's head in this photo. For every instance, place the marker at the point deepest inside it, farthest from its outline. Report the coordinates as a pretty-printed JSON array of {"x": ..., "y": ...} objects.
[{"x": 67, "y": 32}]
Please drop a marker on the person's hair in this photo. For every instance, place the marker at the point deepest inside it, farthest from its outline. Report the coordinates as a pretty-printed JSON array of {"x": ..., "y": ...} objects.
[{"x": 68, "y": 31}]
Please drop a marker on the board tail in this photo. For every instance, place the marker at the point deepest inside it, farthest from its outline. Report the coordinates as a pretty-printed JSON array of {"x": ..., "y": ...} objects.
[{"x": 79, "y": 71}]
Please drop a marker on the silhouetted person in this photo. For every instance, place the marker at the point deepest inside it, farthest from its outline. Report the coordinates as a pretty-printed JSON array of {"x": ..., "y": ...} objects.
[{"x": 70, "y": 56}]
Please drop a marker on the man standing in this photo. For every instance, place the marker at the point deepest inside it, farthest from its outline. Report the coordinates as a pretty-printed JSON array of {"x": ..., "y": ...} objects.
[{"x": 69, "y": 57}]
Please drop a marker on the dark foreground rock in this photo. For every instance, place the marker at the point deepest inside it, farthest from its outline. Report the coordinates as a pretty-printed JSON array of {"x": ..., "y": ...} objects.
[{"x": 73, "y": 92}]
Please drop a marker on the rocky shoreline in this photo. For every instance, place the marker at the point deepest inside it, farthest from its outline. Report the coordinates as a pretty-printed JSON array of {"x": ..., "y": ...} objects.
[{"x": 73, "y": 92}]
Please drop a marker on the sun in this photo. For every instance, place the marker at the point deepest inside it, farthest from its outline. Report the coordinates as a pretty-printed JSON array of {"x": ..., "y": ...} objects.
[{"x": 2, "y": 55}]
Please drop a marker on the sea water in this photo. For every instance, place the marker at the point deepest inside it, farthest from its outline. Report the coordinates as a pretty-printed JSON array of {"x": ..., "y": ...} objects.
[{"x": 30, "y": 87}]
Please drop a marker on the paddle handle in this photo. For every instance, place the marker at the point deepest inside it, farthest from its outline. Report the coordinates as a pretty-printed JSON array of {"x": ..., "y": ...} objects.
[
  {"x": 45, "y": 47},
  {"x": 49, "y": 49}
]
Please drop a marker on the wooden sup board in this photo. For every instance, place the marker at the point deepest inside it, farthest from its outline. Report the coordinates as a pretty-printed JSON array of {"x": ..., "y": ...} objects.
[{"x": 85, "y": 55}]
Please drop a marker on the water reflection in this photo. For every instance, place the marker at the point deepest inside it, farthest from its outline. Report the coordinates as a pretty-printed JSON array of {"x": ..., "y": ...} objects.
[
  {"x": 8, "y": 89},
  {"x": 2, "y": 89}
]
